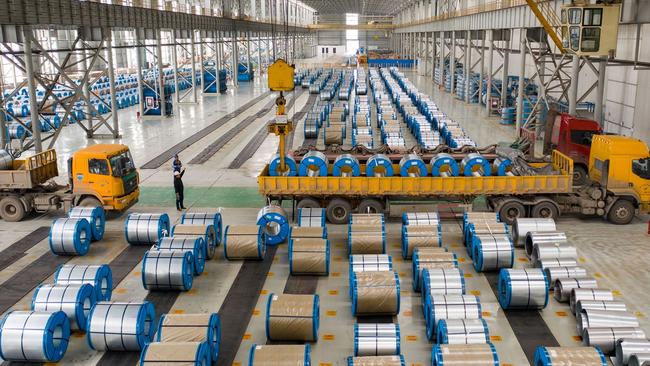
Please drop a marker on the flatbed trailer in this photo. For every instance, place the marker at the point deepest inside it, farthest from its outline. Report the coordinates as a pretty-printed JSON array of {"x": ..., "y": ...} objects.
[{"x": 512, "y": 196}]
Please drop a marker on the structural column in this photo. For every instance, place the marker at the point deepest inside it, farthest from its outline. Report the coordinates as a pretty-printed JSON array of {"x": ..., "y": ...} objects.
[
  {"x": 468, "y": 64},
  {"x": 177, "y": 95},
  {"x": 234, "y": 56},
  {"x": 488, "y": 95},
  {"x": 259, "y": 53},
  {"x": 481, "y": 73},
  {"x": 217, "y": 54},
  {"x": 442, "y": 59},
  {"x": 522, "y": 76},
  {"x": 573, "y": 87},
  {"x": 452, "y": 62},
  {"x": 111, "y": 81},
  {"x": 138, "y": 63},
  {"x": 426, "y": 53},
  {"x": 161, "y": 75},
  {"x": 31, "y": 90},
  {"x": 248, "y": 49},
  {"x": 193, "y": 56},
  {"x": 600, "y": 92},
  {"x": 504, "y": 78}
]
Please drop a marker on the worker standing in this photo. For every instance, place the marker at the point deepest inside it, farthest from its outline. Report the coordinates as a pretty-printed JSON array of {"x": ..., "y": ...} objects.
[
  {"x": 178, "y": 188},
  {"x": 177, "y": 164}
]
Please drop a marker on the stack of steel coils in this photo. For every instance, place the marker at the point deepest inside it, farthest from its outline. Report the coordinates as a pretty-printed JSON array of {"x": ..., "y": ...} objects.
[
  {"x": 366, "y": 234},
  {"x": 309, "y": 248}
]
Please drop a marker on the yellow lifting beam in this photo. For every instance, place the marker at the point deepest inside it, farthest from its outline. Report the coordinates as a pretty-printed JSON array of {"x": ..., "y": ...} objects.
[
  {"x": 547, "y": 19},
  {"x": 280, "y": 78}
]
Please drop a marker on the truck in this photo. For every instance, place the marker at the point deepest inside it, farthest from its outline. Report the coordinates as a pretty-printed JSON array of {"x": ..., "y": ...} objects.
[
  {"x": 619, "y": 187},
  {"x": 98, "y": 175}
]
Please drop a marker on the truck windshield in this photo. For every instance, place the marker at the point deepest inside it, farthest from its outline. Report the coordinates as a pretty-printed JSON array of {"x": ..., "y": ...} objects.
[
  {"x": 641, "y": 167},
  {"x": 122, "y": 164}
]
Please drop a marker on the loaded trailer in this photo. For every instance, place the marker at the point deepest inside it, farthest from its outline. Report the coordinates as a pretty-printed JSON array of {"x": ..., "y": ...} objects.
[
  {"x": 615, "y": 194},
  {"x": 99, "y": 175}
]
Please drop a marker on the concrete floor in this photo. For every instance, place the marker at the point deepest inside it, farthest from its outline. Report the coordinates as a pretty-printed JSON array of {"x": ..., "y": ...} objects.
[{"x": 616, "y": 255}]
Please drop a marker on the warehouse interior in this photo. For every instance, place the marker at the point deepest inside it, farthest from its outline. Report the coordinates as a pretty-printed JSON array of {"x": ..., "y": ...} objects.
[{"x": 325, "y": 182}]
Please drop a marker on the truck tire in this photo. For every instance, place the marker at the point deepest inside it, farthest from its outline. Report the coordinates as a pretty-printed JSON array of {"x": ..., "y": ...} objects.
[
  {"x": 510, "y": 211},
  {"x": 621, "y": 213},
  {"x": 308, "y": 202},
  {"x": 338, "y": 211},
  {"x": 580, "y": 175},
  {"x": 370, "y": 205},
  {"x": 89, "y": 201},
  {"x": 545, "y": 210},
  {"x": 12, "y": 209}
]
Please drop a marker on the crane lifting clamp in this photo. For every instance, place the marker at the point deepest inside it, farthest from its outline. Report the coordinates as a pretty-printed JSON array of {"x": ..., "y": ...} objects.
[{"x": 280, "y": 76}]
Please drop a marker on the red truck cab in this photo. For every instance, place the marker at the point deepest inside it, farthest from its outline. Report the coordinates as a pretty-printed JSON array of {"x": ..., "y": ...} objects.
[{"x": 572, "y": 136}]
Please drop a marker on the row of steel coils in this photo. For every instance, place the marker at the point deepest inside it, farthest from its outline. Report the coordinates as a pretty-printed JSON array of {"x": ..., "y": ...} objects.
[
  {"x": 319, "y": 83},
  {"x": 374, "y": 290},
  {"x": 72, "y": 235},
  {"x": 316, "y": 164},
  {"x": 602, "y": 321},
  {"x": 362, "y": 132},
  {"x": 346, "y": 85},
  {"x": 335, "y": 129},
  {"x": 329, "y": 90}
]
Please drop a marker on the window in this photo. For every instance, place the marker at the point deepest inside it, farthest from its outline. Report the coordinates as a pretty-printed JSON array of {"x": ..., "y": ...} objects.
[
  {"x": 351, "y": 35},
  {"x": 574, "y": 15},
  {"x": 641, "y": 167},
  {"x": 582, "y": 137},
  {"x": 333, "y": 49},
  {"x": 98, "y": 166},
  {"x": 593, "y": 17},
  {"x": 122, "y": 164},
  {"x": 574, "y": 38},
  {"x": 590, "y": 39}
]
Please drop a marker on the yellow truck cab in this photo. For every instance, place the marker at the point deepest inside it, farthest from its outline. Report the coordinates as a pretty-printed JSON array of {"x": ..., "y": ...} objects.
[
  {"x": 621, "y": 165},
  {"x": 105, "y": 174}
]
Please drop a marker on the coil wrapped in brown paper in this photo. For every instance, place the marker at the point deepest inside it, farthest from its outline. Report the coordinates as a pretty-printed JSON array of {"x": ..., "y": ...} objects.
[
  {"x": 280, "y": 355},
  {"x": 375, "y": 292},
  {"x": 309, "y": 256},
  {"x": 243, "y": 242}
]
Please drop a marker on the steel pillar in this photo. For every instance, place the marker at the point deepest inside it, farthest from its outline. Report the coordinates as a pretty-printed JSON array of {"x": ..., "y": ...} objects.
[
  {"x": 504, "y": 75},
  {"x": 522, "y": 84},
  {"x": 488, "y": 96},
  {"x": 112, "y": 81},
  {"x": 161, "y": 75},
  {"x": 573, "y": 87},
  {"x": 600, "y": 92},
  {"x": 31, "y": 90},
  {"x": 452, "y": 62}
]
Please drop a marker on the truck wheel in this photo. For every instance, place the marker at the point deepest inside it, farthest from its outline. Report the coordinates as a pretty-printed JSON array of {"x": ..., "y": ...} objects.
[
  {"x": 510, "y": 211},
  {"x": 308, "y": 203},
  {"x": 580, "y": 175},
  {"x": 12, "y": 209},
  {"x": 338, "y": 211},
  {"x": 545, "y": 210},
  {"x": 370, "y": 205},
  {"x": 621, "y": 213},
  {"x": 89, "y": 202}
]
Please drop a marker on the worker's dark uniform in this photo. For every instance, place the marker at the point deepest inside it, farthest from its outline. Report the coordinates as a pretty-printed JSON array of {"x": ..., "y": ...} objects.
[{"x": 178, "y": 188}]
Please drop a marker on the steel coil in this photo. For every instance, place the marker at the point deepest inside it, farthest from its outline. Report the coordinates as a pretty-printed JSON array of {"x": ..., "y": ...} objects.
[
  {"x": 244, "y": 242},
  {"x": 70, "y": 237},
  {"x": 626, "y": 347},
  {"x": 6, "y": 160},
  {"x": 270, "y": 355},
  {"x": 420, "y": 236},
  {"x": 313, "y": 164},
  {"x": 291, "y": 168},
  {"x": 600, "y": 305},
  {"x": 523, "y": 226},
  {"x": 502, "y": 167},
  {"x": 367, "y": 219},
  {"x": 146, "y": 229},
  {"x": 204, "y": 218},
  {"x": 492, "y": 252},
  {"x": 590, "y": 318},
  {"x": 311, "y": 128},
  {"x": 605, "y": 338},
  {"x": 74, "y": 300},
  {"x": 95, "y": 216},
  {"x": 464, "y": 354},
  {"x": 478, "y": 217},
  {"x": 444, "y": 165},
  {"x": 99, "y": 276},
  {"x": 370, "y": 263},
  {"x": 191, "y": 328},
  {"x": 442, "y": 281},
  {"x": 120, "y": 326},
  {"x": 563, "y": 286},
  {"x": 275, "y": 224},
  {"x": 34, "y": 336},
  {"x": 196, "y": 246},
  {"x": 309, "y": 256},
  {"x": 554, "y": 273},
  {"x": 438, "y": 307},
  {"x": 597, "y": 294},
  {"x": 639, "y": 359},
  {"x": 420, "y": 218},
  {"x": 179, "y": 353},
  {"x": 372, "y": 339},
  {"x": 311, "y": 217},
  {"x": 292, "y": 317},
  {"x": 474, "y": 165},
  {"x": 545, "y": 251},
  {"x": 379, "y": 166},
  {"x": 346, "y": 165},
  {"x": 462, "y": 331},
  {"x": 411, "y": 165},
  {"x": 376, "y": 361},
  {"x": 523, "y": 289},
  {"x": 366, "y": 239},
  {"x": 482, "y": 228},
  {"x": 533, "y": 238},
  {"x": 430, "y": 258},
  {"x": 168, "y": 270},
  {"x": 302, "y": 232},
  {"x": 555, "y": 263},
  {"x": 204, "y": 232},
  {"x": 587, "y": 356},
  {"x": 375, "y": 293}
]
